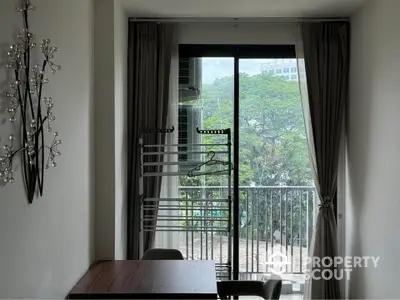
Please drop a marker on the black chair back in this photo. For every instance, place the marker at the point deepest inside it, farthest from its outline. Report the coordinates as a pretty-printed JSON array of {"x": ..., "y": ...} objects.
[
  {"x": 162, "y": 254},
  {"x": 270, "y": 289}
]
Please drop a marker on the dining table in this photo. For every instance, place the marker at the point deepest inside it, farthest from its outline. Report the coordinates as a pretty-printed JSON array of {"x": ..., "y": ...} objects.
[{"x": 148, "y": 279}]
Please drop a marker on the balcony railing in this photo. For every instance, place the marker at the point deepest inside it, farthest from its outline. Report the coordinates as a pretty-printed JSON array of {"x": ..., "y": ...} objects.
[{"x": 272, "y": 219}]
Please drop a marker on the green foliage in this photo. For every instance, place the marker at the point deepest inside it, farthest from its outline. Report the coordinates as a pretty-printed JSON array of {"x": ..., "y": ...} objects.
[{"x": 273, "y": 145}]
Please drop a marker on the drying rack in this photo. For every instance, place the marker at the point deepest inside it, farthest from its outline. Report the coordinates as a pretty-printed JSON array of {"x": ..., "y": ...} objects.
[{"x": 202, "y": 217}]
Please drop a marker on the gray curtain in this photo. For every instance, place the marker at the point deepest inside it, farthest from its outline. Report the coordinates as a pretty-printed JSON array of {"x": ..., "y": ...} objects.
[
  {"x": 326, "y": 58},
  {"x": 149, "y": 66}
]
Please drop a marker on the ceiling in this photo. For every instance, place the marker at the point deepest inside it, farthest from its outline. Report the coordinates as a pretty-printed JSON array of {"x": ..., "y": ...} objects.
[{"x": 241, "y": 8}]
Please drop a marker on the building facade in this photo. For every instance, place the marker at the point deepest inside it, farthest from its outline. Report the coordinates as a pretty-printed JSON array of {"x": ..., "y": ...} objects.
[{"x": 286, "y": 68}]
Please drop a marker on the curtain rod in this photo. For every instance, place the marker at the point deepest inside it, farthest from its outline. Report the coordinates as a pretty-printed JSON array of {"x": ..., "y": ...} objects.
[{"x": 238, "y": 20}]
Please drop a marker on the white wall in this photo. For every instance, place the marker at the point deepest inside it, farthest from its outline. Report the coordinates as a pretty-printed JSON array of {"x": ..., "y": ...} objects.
[
  {"x": 104, "y": 129},
  {"x": 373, "y": 162},
  {"x": 47, "y": 246},
  {"x": 121, "y": 129},
  {"x": 111, "y": 43},
  {"x": 241, "y": 33}
]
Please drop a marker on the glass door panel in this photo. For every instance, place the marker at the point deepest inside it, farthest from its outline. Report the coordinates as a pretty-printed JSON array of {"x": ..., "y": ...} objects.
[
  {"x": 276, "y": 193},
  {"x": 206, "y": 94}
]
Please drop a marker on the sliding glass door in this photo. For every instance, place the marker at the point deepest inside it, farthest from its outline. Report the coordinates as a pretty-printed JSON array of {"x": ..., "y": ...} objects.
[
  {"x": 254, "y": 92},
  {"x": 276, "y": 193},
  {"x": 199, "y": 221}
]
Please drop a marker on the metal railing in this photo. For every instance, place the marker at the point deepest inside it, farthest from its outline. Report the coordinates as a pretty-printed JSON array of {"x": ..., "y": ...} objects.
[{"x": 273, "y": 219}]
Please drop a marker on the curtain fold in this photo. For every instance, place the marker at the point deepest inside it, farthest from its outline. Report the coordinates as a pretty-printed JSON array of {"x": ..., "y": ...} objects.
[
  {"x": 326, "y": 65},
  {"x": 169, "y": 185},
  {"x": 149, "y": 67}
]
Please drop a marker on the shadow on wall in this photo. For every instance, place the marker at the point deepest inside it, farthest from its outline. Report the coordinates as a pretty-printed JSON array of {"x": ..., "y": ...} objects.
[
  {"x": 7, "y": 73},
  {"x": 4, "y": 82},
  {"x": 358, "y": 152}
]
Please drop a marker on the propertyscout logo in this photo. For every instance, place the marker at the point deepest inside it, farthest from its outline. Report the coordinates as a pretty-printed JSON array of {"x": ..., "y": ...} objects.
[
  {"x": 326, "y": 268},
  {"x": 278, "y": 263}
]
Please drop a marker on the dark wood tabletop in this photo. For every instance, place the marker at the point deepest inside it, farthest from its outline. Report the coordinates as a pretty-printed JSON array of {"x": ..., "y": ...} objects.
[{"x": 148, "y": 279}]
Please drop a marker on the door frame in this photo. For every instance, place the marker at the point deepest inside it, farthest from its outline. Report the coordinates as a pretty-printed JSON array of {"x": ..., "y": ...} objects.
[{"x": 237, "y": 52}]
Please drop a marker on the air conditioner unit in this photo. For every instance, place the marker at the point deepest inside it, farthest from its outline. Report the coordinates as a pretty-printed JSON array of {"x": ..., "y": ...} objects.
[
  {"x": 190, "y": 118},
  {"x": 190, "y": 78}
]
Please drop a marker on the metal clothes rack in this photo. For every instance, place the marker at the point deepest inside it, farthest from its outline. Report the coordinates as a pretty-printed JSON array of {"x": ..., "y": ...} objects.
[{"x": 199, "y": 217}]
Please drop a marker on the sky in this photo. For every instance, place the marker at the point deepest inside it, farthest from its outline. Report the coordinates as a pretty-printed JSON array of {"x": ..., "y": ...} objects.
[{"x": 221, "y": 67}]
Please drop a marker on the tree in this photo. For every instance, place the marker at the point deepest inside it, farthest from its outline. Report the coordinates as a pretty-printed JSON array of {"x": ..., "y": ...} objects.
[{"x": 273, "y": 146}]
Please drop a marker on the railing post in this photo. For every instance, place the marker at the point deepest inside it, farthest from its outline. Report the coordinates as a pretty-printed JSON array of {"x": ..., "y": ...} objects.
[{"x": 260, "y": 214}]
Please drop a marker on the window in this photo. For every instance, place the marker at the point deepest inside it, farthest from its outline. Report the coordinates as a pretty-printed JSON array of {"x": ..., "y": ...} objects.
[
  {"x": 212, "y": 105},
  {"x": 294, "y": 70}
]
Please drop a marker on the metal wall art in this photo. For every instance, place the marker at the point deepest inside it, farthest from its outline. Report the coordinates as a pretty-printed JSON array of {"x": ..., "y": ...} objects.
[{"x": 30, "y": 112}]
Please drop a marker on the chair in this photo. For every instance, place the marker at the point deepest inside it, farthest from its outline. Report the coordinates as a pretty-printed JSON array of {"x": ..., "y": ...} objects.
[
  {"x": 162, "y": 254},
  {"x": 270, "y": 289}
]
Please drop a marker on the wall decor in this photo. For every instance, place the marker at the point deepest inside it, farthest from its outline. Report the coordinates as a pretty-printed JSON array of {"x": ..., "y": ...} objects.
[{"x": 29, "y": 111}]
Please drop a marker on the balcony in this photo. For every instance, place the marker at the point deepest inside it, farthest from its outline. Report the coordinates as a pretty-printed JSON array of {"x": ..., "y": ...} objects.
[{"x": 273, "y": 219}]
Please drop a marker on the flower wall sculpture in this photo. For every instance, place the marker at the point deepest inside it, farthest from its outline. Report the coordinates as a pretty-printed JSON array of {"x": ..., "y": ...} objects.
[{"x": 29, "y": 111}]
